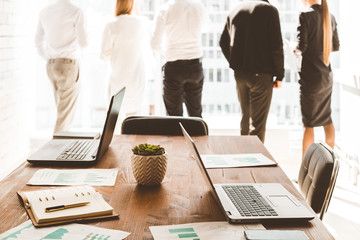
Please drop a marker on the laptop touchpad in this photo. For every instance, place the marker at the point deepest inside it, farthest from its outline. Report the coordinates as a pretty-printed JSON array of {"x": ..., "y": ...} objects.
[{"x": 280, "y": 200}]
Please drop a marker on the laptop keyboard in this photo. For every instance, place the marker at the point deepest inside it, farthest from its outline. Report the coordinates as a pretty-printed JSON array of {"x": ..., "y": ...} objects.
[
  {"x": 248, "y": 201},
  {"x": 76, "y": 150}
]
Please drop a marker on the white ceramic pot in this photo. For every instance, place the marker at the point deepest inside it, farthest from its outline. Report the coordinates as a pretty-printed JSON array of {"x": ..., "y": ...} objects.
[{"x": 149, "y": 170}]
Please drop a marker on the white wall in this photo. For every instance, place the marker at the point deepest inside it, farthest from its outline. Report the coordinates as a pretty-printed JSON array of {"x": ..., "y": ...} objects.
[
  {"x": 14, "y": 141},
  {"x": 349, "y": 76}
]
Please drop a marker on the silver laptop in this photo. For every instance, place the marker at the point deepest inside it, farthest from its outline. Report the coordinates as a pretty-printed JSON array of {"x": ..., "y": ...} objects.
[
  {"x": 81, "y": 150},
  {"x": 252, "y": 202}
]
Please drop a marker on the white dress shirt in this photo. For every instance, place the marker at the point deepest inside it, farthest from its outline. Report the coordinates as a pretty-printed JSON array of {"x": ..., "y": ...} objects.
[
  {"x": 180, "y": 23},
  {"x": 60, "y": 31},
  {"x": 126, "y": 43}
]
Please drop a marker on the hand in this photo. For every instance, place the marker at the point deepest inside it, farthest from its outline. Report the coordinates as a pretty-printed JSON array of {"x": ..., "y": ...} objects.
[{"x": 277, "y": 84}]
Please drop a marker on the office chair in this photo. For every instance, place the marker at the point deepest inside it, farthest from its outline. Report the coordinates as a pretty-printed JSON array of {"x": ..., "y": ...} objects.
[
  {"x": 317, "y": 176},
  {"x": 164, "y": 125}
]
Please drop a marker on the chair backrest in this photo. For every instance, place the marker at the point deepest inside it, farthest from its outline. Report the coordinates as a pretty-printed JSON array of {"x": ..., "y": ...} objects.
[
  {"x": 317, "y": 176},
  {"x": 163, "y": 125}
]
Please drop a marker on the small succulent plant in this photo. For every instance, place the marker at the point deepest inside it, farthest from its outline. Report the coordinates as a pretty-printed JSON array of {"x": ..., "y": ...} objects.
[{"x": 148, "y": 150}]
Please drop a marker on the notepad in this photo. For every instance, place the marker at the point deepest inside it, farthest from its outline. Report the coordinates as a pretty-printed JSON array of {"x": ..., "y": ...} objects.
[{"x": 36, "y": 203}]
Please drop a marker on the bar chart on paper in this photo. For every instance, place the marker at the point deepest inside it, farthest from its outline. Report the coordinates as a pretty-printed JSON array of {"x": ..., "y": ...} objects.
[
  {"x": 201, "y": 231},
  {"x": 185, "y": 233},
  {"x": 27, "y": 231}
]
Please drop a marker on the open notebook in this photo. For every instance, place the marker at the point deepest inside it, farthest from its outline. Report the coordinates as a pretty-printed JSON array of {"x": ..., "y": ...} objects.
[{"x": 38, "y": 203}]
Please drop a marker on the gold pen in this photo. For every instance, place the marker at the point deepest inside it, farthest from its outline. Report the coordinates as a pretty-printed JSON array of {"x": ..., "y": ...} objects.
[{"x": 62, "y": 207}]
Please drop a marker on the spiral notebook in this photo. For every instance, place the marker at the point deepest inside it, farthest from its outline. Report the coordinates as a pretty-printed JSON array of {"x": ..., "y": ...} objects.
[{"x": 63, "y": 205}]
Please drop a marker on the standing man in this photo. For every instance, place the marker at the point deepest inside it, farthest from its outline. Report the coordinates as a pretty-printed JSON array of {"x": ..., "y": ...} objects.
[
  {"x": 60, "y": 32},
  {"x": 180, "y": 22},
  {"x": 252, "y": 44}
]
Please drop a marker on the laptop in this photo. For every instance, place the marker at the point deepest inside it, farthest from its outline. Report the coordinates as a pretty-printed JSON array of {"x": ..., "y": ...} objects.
[
  {"x": 252, "y": 202},
  {"x": 81, "y": 150}
]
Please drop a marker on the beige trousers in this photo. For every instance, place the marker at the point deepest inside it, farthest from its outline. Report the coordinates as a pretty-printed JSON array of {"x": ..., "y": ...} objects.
[{"x": 64, "y": 75}]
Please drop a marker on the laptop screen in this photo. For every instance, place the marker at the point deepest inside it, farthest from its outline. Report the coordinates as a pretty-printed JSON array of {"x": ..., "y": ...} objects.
[
  {"x": 110, "y": 122},
  {"x": 196, "y": 156}
]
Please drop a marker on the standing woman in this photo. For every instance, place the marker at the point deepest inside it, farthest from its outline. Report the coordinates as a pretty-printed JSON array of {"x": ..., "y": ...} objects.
[
  {"x": 317, "y": 37},
  {"x": 126, "y": 43}
]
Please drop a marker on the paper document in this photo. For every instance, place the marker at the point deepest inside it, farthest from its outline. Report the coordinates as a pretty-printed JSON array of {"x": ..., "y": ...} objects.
[
  {"x": 27, "y": 231},
  {"x": 236, "y": 160},
  {"x": 92, "y": 177},
  {"x": 203, "y": 230}
]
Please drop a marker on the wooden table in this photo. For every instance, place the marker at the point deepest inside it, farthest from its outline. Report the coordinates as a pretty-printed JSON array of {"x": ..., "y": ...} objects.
[{"x": 182, "y": 197}]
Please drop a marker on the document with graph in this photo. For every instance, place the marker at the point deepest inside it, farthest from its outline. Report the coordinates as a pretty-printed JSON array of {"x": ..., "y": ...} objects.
[
  {"x": 236, "y": 160},
  {"x": 64, "y": 177},
  {"x": 27, "y": 231},
  {"x": 202, "y": 230}
]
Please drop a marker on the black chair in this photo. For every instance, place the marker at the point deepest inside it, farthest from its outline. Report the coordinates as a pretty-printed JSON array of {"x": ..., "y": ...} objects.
[
  {"x": 164, "y": 125},
  {"x": 317, "y": 176}
]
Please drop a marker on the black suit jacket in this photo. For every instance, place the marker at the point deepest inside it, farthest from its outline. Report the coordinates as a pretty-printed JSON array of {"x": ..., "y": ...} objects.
[
  {"x": 310, "y": 43},
  {"x": 251, "y": 40}
]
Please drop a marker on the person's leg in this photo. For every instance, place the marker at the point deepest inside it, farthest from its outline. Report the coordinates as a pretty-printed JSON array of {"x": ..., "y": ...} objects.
[
  {"x": 53, "y": 76},
  {"x": 193, "y": 89},
  {"x": 66, "y": 74},
  {"x": 260, "y": 100},
  {"x": 243, "y": 96},
  {"x": 330, "y": 135},
  {"x": 308, "y": 138},
  {"x": 173, "y": 88}
]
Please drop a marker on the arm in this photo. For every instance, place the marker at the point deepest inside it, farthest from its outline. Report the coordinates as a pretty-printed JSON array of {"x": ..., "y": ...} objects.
[
  {"x": 302, "y": 34},
  {"x": 39, "y": 40},
  {"x": 157, "y": 36},
  {"x": 335, "y": 36},
  {"x": 225, "y": 40},
  {"x": 206, "y": 21},
  {"x": 106, "y": 45},
  {"x": 276, "y": 44},
  {"x": 81, "y": 30}
]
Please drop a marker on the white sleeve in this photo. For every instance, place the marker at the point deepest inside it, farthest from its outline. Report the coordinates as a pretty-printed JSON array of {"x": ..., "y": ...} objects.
[
  {"x": 206, "y": 21},
  {"x": 81, "y": 30},
  {"x": 106, "y": 45},
  {"x": 157, "y": 36},
  {"x": 39, "y": 40}
]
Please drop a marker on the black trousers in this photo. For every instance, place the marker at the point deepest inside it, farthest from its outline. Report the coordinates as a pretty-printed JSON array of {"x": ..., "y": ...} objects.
[
  {"x": 254, "y": 93},
  {"x": 183, "y": 82}
]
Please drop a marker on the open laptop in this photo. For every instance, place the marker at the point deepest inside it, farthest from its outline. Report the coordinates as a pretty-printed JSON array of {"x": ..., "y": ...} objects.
[
  {"x": 81, "y": 150},
  {"x": 252, "y": 202}
]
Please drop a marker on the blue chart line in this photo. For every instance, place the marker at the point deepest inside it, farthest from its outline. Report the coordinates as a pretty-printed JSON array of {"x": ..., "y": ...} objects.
[{"x": 14, "y": 235}]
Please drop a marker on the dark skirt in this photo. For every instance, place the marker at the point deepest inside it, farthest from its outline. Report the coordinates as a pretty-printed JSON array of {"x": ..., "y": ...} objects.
[{"x": 315, "y": 100}]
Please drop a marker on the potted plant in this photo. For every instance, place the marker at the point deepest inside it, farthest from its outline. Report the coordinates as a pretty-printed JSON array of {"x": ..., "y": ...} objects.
[{"x": 148, "y": 164}]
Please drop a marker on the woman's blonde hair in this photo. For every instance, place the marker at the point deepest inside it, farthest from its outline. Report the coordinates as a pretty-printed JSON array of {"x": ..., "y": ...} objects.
[
  {"x": 124, "y": 7},
  {"x": 327, "y": 31}
]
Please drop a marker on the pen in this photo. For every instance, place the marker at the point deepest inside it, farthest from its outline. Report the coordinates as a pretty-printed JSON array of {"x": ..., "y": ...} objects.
[{"x": 62, "y": 207}]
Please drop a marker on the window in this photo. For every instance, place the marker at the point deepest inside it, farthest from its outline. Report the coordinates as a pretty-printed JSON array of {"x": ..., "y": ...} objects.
[
  {"x": 219, "y": 75},
  {"x": 93, "y": 104}
]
